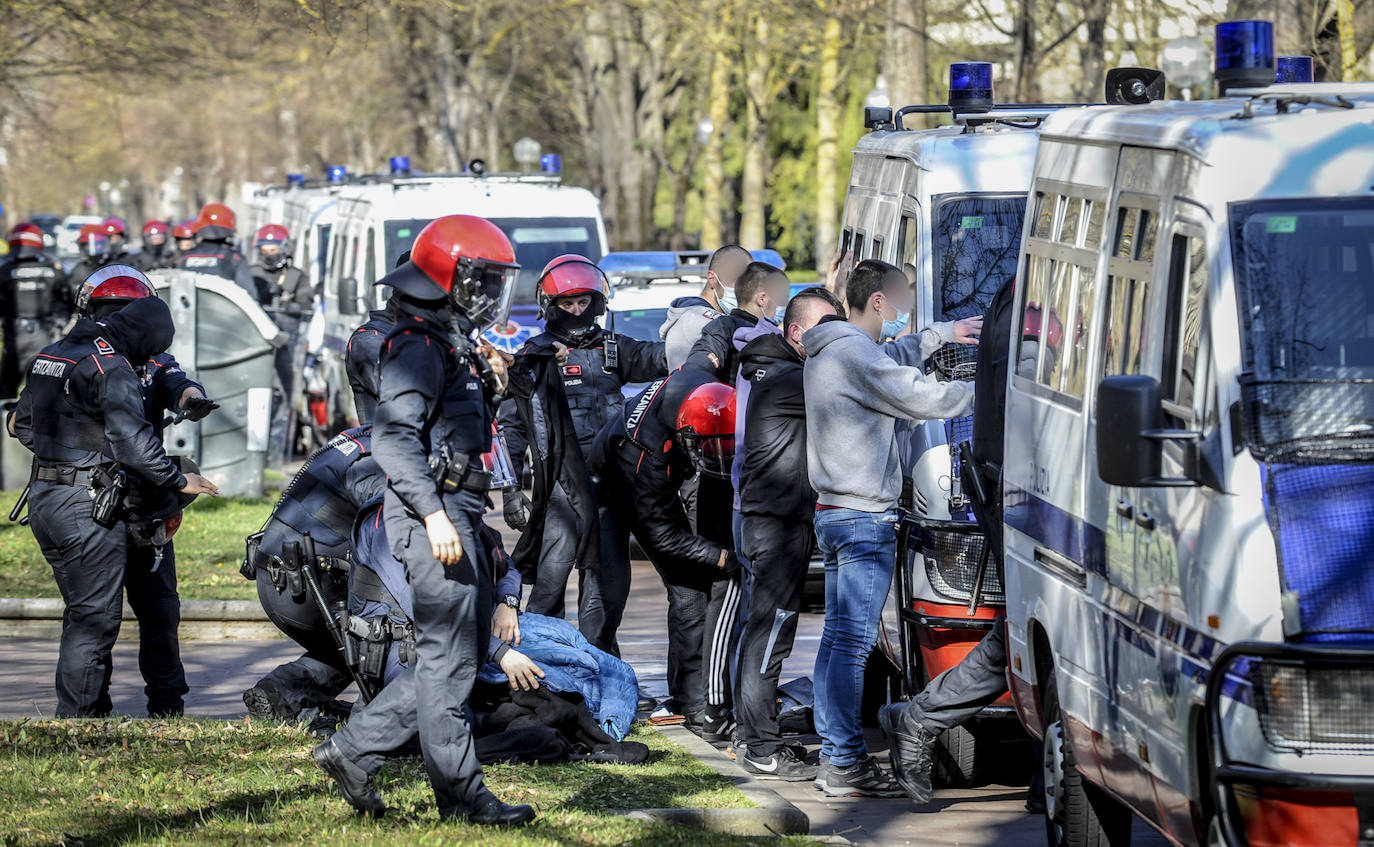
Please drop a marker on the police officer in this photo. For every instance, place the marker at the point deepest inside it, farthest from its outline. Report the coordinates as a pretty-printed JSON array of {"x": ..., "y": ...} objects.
[
  {"x": 34, "y": 302},
  {"x": 83, "y": 417},
  {"x": 594, "y": 365},
  {"x": 156, "y": 252},
  {"x": 154, "y": 513},
  {"x": 680, "y": 425},
  {"x": 365, "y": 350},
  {"x": 434, "y": 421},
  {"x": 323, "y": 499},
  {"x": 184, "y": 234},
  {"x": 214, "y": 251},
  {"x": 284, "y": 292},
  {"x": 102, "y": 244}
]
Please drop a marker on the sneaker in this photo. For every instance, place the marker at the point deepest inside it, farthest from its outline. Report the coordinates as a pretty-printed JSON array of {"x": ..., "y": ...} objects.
[
  {"x": 912, "y": 750},
  {"x": 822, "y": 774},
  {"x": 717, "y": 728},
  {"x": 266, "y": 703},
  {"x": 783, "y": 764},
  {"x": 864, "y": 778}
]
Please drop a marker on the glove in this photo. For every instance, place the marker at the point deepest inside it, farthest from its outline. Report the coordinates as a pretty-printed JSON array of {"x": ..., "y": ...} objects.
[
  {"x": 197, "y": 408},
  {"x": 516, "y": 507},
  {"x": 732, "y": 563}
]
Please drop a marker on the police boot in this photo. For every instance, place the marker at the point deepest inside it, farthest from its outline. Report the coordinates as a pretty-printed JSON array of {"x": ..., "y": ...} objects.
[
  {"x": 354, "y": 783},
  {"x": 490, "y": 811},
  {"x": 265, "y": 702}
]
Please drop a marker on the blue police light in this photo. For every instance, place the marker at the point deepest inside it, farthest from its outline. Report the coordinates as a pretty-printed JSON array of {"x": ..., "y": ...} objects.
[
  {"x": 656, "y": 261},
  {"x": 336, "y": 173},
  {"x": 400, "y": 165},
  {"x": 1294, "y": 69},
  {"x": 1245, "y": 55},
  {"x": 772, "y": 257},
  {"x": 970, "y": 87},
  {"x": 295, "y": 179},
  {"x": 551, "y": 163}
]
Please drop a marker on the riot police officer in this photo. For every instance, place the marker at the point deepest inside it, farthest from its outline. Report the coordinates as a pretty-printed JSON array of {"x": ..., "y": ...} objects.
[
  {"x": 184, "y": 234},
  {"x": 593, "y": 365},
  {"x": 101, "y": 244},
  {"x": 365, "y": 350},
  {"x": 284, "y": 292},
  {"x": 156, "y": 252},
  {"x": 153, "y": 513},
  {"x": 323, "y": 499},
  {"x": 82, "y": 415},
  {"x": 434, "y": 421},
  {"x": 214, "y": 252},
  {"x": 34, "y": 302}
]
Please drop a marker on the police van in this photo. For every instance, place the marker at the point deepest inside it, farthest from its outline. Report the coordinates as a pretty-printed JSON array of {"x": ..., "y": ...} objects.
[
  {"x": 947, "y": 205},
  {"x": 1188, "y": 484}
]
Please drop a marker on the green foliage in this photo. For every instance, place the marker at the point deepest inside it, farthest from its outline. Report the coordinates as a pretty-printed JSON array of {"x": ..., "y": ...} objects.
[{"x": 201, "y": 782}]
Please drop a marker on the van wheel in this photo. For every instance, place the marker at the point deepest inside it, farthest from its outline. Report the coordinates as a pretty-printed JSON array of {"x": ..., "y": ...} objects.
[
  {"x": 956, "y": 758},
  {"x": 1077, "y": 813}
]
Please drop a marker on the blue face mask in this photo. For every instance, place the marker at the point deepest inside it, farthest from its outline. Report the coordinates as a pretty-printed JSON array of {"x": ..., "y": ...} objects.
[
  {"x": 728, "y": 301},
  {"x": 891, "y": 328},
  {"x": 777, "y": 316}
]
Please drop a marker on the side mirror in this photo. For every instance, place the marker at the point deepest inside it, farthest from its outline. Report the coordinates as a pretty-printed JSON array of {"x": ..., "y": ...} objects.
[
  {"x": 348, "y": 296},
  {"x": 1130, "y": 433}
]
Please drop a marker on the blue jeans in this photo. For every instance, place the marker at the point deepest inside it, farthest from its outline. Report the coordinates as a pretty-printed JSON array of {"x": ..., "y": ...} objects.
[{"x": 860, "y": 551}]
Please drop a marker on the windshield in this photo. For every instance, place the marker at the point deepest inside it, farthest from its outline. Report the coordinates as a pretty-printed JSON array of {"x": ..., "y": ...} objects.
[
  {"x": 976, "y": 242},
  {"x": 536, "y": 241},
  {"x": 1305, "y": 278}
]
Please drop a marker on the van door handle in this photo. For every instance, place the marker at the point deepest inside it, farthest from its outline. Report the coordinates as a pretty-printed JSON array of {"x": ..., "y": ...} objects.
[
  {"x": 1145, "y": 521},
  {"x": 1124, "y": 509}
]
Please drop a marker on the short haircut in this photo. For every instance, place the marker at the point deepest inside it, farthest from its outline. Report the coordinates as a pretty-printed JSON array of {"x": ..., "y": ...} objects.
[
  {"x": 724, "y": 254},
  {"x": 805, "y": 298},
  {"x": 752, "y": 281},
  {"x": 869, "y": 277}
]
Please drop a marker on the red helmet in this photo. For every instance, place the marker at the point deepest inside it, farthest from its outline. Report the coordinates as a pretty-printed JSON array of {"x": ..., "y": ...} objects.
[
  {"x": 272, "y": 234},
  {"x": 184, "y": 231},
  {"x": 26, "y": 235},
  {"x": 154, "y": 228},
  {"x": 94, "y": 240},
  {"x": 706, "y": 428},
  {"x": 216, "y": 215},
  {"x": 570, "y": 275},
  {"x": 113, "y": 226},
  {"x": 466, "y": 259},
  {"x": 113, "y": 284}
]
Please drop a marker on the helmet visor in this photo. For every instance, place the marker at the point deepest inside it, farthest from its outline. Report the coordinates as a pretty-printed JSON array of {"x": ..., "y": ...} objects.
[
  {"x": 97, "y": 245},
  {"x": 484, "y": 291},
  {"x": 711, "y": 454}
]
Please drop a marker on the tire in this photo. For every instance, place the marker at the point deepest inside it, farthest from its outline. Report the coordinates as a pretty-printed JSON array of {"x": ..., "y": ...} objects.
[
  {"x": 956, "y": 758},
  {"x": 1077, "y": 813}
]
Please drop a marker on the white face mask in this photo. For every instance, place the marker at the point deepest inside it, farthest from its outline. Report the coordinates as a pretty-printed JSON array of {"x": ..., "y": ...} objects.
[
  {"x": 894, "y": 326},
  {"x": 728, "y": 302}
]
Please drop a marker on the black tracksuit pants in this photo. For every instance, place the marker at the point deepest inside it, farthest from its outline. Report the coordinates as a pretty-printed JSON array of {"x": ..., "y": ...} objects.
[
  {"x": 157, "y": 608},
  {"x": 778, "y": 551}
]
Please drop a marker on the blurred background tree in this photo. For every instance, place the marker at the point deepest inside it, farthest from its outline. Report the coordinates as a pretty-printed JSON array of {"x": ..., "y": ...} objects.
[{"x": 697, "y": 122}]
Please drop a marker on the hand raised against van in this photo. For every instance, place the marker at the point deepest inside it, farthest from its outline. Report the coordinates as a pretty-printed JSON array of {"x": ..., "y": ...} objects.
[{"x": 968, "y": 330}]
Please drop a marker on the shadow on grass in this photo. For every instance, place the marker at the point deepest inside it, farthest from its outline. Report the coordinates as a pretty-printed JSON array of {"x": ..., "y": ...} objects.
[{"x": 125, "y": 827}]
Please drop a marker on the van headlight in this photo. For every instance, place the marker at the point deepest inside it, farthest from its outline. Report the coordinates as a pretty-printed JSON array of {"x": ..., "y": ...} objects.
[{"x": 1315, "y": 708}]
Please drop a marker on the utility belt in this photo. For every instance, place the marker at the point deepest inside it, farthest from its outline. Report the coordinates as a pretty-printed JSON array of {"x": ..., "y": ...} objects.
[
  {"x": 283, "y": 576},
  {"x": 459, "y": 473},
  {"x": 108, "y": 484},
  {"x": 370, "y": 639}
]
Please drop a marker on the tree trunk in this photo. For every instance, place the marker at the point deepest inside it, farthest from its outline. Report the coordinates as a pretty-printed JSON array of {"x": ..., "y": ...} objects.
[
  {"x": 713, "y": 160},
  {"x": 1027, "y": 61},
  {"x": 827, "y": 144},
  {"x": 904, "y": 63},
  {"x": 1092, "y": 51},
  {"x": 753, "y": 229}
]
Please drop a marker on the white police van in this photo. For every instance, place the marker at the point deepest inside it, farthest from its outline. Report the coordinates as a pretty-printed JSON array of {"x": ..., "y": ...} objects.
[
  {"x": 1189, "y": 472},
  {"x": 947, "y": 205}
]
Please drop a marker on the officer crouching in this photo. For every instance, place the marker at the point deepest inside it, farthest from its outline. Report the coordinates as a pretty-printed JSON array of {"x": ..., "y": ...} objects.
[{"x": 82, "y": 414}]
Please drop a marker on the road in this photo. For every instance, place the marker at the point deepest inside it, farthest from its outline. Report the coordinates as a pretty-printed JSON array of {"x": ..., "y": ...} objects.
[{"x": 219, "y": 671}]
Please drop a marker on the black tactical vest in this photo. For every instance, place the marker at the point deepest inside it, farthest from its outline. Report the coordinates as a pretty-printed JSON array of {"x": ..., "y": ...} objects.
[{"x": 33, "y": 285}]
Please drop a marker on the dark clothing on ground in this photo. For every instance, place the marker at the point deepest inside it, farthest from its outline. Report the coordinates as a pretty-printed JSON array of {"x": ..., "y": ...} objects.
[
  {"x": 35, "y": 303},
  {"x": 364, "y": 351},
  {"x": 715, "y": 351},
  {"x": 221, "y": 259},
  {"x": 499, "y": 709}
]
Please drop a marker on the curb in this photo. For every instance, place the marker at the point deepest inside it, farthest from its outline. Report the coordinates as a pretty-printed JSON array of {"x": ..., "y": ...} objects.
[
  {"x": 41, "y": 617},
  {"x": 773, "y": 816}
]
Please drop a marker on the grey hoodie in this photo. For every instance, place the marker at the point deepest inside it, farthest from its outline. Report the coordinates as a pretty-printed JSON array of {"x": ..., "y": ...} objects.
[
  {"x": 687, "y": 317},
  {"x": 856, "y": 390}
]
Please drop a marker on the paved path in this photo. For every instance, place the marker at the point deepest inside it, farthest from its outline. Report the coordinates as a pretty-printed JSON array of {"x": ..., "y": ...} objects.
[{"x": 219, "y": 671}]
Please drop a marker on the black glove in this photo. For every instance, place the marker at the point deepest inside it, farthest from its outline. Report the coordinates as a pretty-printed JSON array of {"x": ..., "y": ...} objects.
[
  {"x": 516, "y": 507},
  {"x": 732, "y": 563},
  {"x": 196, "y": 408}
]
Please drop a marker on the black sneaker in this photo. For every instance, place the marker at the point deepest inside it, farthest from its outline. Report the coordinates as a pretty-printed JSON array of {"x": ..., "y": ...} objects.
[
  {"x": 864, "y": 778},
  {"x": 266, "y": 703},
  {"x": 822, "y": 774},
  {"x": 783, "y": 764},
  {"x": 717, "y": 728},
  {"x": 912, "y": 750}
]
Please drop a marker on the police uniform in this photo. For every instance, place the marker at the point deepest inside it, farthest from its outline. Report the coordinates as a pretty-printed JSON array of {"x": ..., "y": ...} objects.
[
  {"x": 81, "y": 410},
  {"x": 88, "y": 265},
  {"x": 592, "y": 383},
  {"x": 286, "y": 295},
  {"x": 434, "y": 422},
  {"x": 322, "y": 499},
  {"x": 149, "y": 259},
  {"x": 364, "y": 351},
  {"x": 36, "y": 302},
  {"x": 221, "y": 259}
]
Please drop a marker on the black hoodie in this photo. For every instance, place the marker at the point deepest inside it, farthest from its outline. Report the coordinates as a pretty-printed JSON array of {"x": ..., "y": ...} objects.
[{"x": 773, "y": 480}]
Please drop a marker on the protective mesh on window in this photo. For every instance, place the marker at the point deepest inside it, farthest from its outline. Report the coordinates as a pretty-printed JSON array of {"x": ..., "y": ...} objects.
[{"x": 976, "y": 245}]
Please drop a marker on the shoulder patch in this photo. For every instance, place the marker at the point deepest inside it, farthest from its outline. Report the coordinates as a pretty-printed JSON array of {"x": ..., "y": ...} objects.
[
  {"x": 103, "y": 347},
  {"x": 715, "y": 360}
]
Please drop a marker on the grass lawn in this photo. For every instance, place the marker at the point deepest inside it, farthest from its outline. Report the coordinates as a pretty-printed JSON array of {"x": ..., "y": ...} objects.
[
  {"x": 198, "y": 782},
  {"x": 209, "y": 549}
]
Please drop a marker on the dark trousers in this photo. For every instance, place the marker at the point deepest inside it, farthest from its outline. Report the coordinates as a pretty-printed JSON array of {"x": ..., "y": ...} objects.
[
  {"x": 604, "y": 590},
  {"x": 157, "y": 607},
  {"x": 320, "y": 675},
  {"x": 778, "y": 551},
  {"x": 88, "y": 563},
  {"x": 961, "y": 692},
  {"x": 452, "y": 621},
  {"x": 689, "y": 598},
  {"x": 721, "y": 634},
  {"x": 284, "y": 364}
]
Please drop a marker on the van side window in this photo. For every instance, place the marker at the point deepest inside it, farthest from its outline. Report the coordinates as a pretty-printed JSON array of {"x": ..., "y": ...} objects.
[
  {"x": 370, "y": 262},
  {"x": 1128, "y": 291},
  {"x": 1183, "y": 330},
  {"x": 877, "y": 248},
  {"x": 859, "y": 247},
  {"x": 845, "y": 240},
  {"x": 1044, "y": 215},
  {"x": 907, "y": 246}
]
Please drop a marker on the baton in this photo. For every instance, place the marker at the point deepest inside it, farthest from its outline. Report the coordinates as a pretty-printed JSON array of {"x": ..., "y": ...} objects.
[{"x": 19, "y": 507}]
